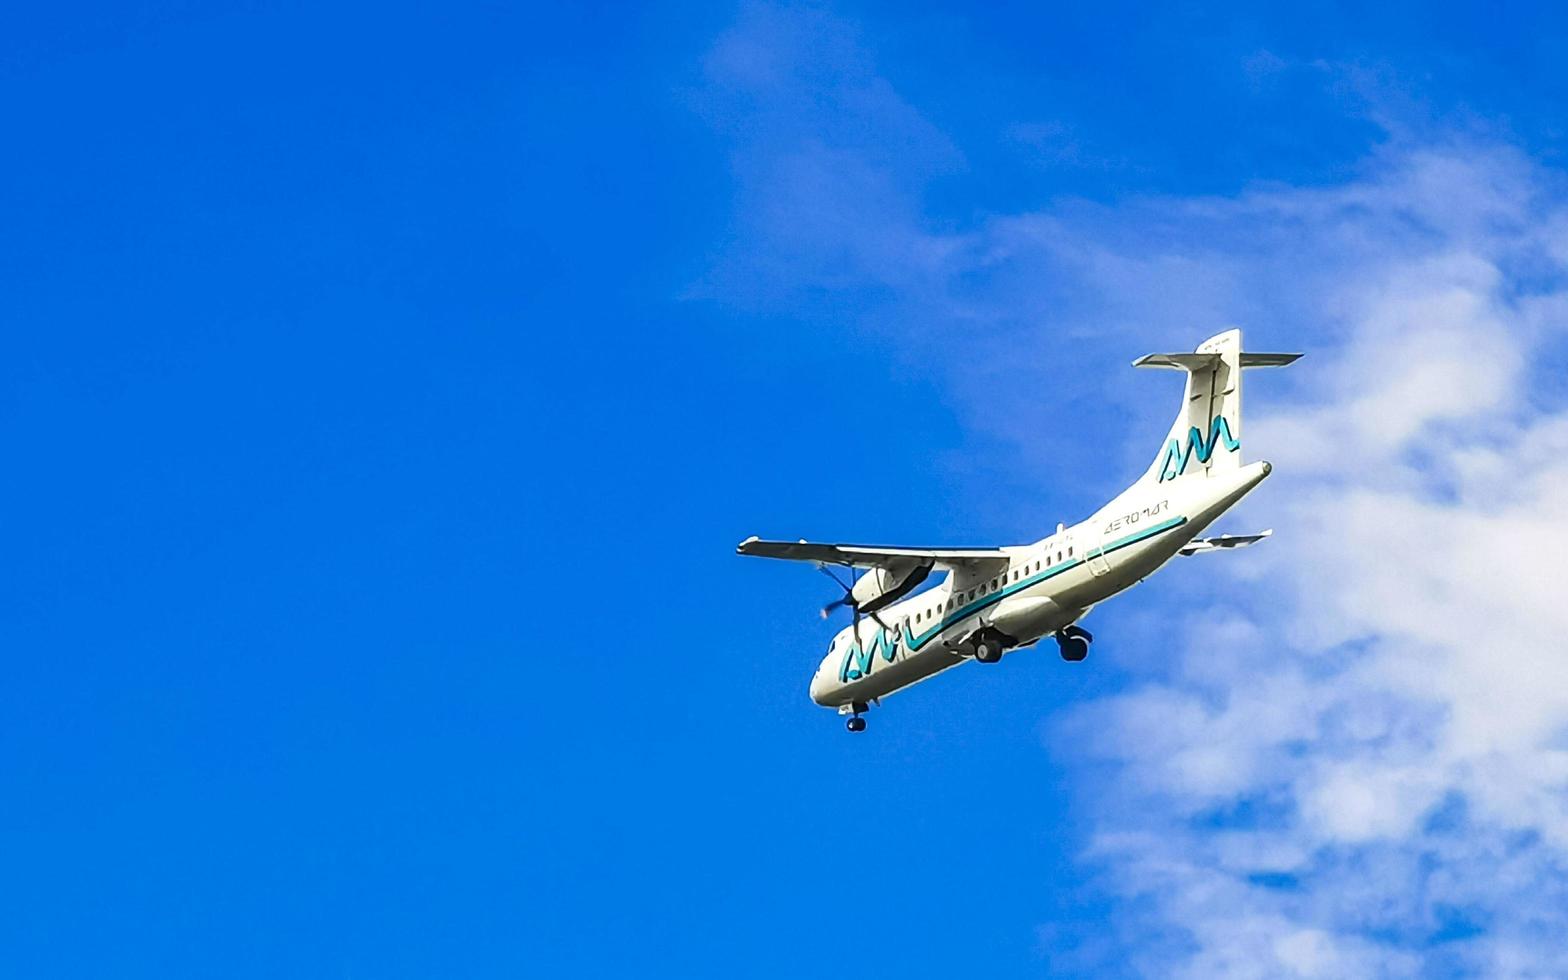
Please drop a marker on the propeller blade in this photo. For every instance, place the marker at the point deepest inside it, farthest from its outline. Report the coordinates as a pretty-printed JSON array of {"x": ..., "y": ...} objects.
[
  {"x": 827, "y": 610},
  {"x": 849, "y": 592},
  {"x": 836, "y": 580}
]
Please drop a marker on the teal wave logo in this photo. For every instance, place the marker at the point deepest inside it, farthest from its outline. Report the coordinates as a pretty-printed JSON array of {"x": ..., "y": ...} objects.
[
  {"x": 858, "y": 660},
  {"x": 1177, "y": 458}
]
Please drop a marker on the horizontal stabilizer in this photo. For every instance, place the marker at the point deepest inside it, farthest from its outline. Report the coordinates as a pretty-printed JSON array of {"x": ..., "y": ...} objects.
[
  {"x": 1249, "y": 359},
  {"x": 1200, "y": 545},
  {"x": 1178, "y": 362},
  {"x": 1199, "y": 362}
]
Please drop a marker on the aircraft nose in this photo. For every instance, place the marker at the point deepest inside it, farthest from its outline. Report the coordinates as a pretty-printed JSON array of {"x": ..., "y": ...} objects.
[{"x": 819, "y": 686}]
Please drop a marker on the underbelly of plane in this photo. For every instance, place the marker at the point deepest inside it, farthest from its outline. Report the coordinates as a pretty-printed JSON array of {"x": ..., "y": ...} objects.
[
  {"x": 891, "y": 677},
  {"x": 1022, "y": 619}
]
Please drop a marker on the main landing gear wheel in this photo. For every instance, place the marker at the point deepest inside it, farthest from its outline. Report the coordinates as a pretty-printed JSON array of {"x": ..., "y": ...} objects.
[
  {"x": 989, "y": 646},
  {"x": 856, "y": 724},
  {"x": 987, "y": 650},
  {"x": 1074, "y": 642}
]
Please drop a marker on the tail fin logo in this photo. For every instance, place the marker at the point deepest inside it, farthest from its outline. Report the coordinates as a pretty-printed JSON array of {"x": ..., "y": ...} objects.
[{"x": 1177, "y": 458}]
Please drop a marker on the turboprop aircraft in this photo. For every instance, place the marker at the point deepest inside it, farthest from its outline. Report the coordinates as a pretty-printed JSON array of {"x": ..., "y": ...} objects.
[{"x": 992, "y": 601}]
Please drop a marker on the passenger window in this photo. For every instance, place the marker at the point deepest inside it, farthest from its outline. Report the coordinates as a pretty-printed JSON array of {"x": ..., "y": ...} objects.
[
  {"x": 1015, "y": 575},
  {"x": 1069, "y": 551}
]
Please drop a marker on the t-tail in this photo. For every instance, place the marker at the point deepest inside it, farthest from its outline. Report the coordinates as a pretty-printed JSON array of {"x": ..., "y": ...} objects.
[{"x": 1205, "y": 438}]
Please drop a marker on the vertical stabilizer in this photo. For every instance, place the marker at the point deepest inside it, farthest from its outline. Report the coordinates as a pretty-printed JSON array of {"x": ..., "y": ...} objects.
[{"x": 1205, "y": 438}]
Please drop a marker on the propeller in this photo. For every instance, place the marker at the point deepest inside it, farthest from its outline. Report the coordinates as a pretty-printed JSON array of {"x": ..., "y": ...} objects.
[{"x": 848, "y": 599}]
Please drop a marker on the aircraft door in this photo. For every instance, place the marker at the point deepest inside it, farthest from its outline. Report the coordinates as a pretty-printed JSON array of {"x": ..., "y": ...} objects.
[{"x": 1095, "y": 559}]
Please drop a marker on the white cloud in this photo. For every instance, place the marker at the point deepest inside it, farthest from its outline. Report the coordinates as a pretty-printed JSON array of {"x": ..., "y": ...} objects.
[
  {"x": 1355, "y": 760},
  {"x": 829, "y": 162},
  {"x": 1398, "y": 700}
]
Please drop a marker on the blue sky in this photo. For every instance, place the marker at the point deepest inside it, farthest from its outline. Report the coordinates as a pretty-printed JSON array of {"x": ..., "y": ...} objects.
[{"x": 352, "y": 351}]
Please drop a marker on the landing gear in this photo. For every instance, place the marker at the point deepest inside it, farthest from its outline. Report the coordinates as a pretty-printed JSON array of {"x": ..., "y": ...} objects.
[
  {"x": 988, "y": 651},
  {"x": 855, "y": 722},
  {"x": 989, "y": 647},
  {"x": 1074, "y": 642}
]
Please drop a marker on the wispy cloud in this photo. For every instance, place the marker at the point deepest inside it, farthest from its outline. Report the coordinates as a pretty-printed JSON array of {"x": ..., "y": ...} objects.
[
  {"x": 829, "y": 163},
  {"x": 1366, "y": 770},
  {"x": 1357, "y": 763}
]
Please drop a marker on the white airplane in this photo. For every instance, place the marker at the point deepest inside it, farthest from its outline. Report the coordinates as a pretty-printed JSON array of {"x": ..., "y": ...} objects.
[{"x": 995, "y": 600}]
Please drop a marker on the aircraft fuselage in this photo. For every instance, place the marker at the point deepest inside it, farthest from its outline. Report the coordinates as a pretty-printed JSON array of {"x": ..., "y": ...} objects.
[{"x": 1044, "y": 588}]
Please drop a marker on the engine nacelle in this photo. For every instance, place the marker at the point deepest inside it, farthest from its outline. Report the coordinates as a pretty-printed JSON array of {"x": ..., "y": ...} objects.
[
  {"x": 882, "y": 586},
  {"x": 1024, "y": 618}
]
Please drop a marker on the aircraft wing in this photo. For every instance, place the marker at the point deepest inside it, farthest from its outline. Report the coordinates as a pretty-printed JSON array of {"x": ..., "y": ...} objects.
[
  {"x": 870, "y": 556},
  {"x": 1200, "y": 545}
]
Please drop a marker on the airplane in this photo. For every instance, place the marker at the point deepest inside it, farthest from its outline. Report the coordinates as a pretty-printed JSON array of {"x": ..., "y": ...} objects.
[{"x": 993, "y": 601}]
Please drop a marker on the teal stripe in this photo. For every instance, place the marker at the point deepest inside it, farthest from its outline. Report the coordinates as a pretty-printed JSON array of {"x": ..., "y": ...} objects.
[
  {"x": 857, "y": 661},
  {"x": 1147, "y": 532},
  {"x": 964, "y": 612}
]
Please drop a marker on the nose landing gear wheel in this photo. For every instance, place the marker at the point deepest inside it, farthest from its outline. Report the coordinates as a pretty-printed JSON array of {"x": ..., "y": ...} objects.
[{"x": 853, "y": 709}]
